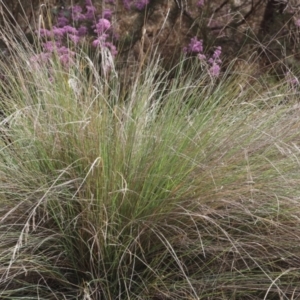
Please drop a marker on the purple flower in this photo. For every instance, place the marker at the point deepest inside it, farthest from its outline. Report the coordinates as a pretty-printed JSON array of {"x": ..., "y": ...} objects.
[
  {"x": 50, "y": 46},
  {"x": 141, "y": 4},
  {"x": 107, "y": 14},
  {"x": 216, "y": 56},
  {"x": 70, "y": 29},
  {"x": 90, "y": 12},
  {"x": 297, "y": 22},
  {"x": 195, "y": 46},
  {"x": 74, "y": 38},
  {"x": 82, "y": 30},
  {"x": 99, "y": 42},
  {"x": 96, "y": 43},
  {"x": 62, "y": 21},
  {"x": 77, "y": 13},
  {"x": 40, "y": 58},
  {"x": 88, "y": 2},
  {"x": 65, "y": 56},
  {"x": 63, "y": 50},
  {"x": 45, "y": 33},
  {"x": 201, "y": 56},
  {"x": 200, "y": 3},
  {"x": 66, "y": 60},
  {"x": 214, "y": 70},
  {"x": 112, "y": 48},
  {"x": 76, "y": 9},
  {"x": 58, "y": 32},
  {"x": 102, "y": 26},
  {"x": 217, "y": 52}
]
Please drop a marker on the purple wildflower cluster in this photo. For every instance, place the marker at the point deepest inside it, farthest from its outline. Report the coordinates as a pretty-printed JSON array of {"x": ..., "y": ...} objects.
[
  {"x": 75, "y": 23},
  {"x": 215, "y": 62},
  {"x": 138, "y": 4},
  {"x": 195, "y": 47},
  {"x": 72, "y": 26}
]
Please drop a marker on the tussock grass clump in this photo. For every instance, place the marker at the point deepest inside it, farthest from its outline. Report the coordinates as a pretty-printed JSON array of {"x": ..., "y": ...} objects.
[{"x": 179, "y": 191}]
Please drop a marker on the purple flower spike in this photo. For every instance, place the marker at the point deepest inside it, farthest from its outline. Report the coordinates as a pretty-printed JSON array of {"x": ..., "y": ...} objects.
[
  {"x": 70, "y": 29},
  {"x": 107, "y": 14},
  {"x": 62, "y": 21},
  {"x": 66, "y": 60},
  {"x": 63, "y": 50},
  {"x": 74, "y": 38},
  {"x": 82, "y": 31},
  {"x": 215, "y": 59},
  {"x": 214, "y": 70},
  {"x": 100, "y": 41},
  {"x": 201, "y": 57},
  {"x": 102, "y": 26},
  {"x": 217, "y": 53},
  {"x": 45, "y": 33},
  {"x": 66, "y": 56},
  {"x": 41, "y": 58},
  {"x": 90, "y": 12},
  {"x": 112, "y": 48},
  {"x": 50, "y": 46},
  {"x": 96, "y": 43},
  {"x": 55, "y": 41},
  {"x": 195, "y": 46},
  {"x": 58, "y": 32},
  {"x": 77, "y": 13},
  {"x": 76, "y": 9}
]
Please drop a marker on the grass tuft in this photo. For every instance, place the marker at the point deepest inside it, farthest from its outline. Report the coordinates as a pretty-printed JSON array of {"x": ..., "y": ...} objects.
[{"x": 181, "y": 188}]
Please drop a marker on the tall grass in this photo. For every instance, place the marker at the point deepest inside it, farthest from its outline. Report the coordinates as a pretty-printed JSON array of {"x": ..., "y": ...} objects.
[{"x": 182, "y": 189}]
